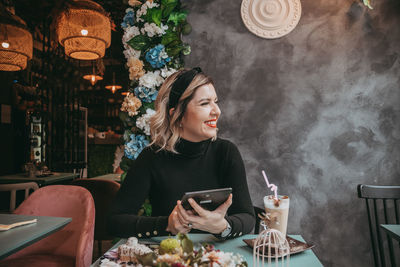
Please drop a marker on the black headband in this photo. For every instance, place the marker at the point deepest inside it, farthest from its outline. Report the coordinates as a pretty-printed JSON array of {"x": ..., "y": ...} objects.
[{"x": 180, "y": 84}]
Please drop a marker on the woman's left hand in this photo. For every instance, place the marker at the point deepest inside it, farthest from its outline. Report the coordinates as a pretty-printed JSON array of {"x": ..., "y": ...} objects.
[{"x": 209, "y": 221}]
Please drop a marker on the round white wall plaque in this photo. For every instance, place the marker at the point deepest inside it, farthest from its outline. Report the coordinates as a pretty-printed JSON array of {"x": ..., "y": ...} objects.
[{"x": 271, "y": 18}]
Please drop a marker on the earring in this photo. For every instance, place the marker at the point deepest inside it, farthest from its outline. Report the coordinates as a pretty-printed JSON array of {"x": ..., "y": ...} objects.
[{"x": 180, "y": 125}]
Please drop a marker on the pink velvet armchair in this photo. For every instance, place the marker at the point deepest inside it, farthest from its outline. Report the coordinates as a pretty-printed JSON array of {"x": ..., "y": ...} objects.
[{"x": 72, "y": 245}]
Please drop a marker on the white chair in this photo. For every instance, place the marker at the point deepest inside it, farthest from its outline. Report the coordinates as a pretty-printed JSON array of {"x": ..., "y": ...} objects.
[{"x": 13, "y": 188}]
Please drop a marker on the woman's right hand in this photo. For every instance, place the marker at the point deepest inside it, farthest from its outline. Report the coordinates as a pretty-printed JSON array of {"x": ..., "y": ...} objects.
[{"x": 175, "y": 226}]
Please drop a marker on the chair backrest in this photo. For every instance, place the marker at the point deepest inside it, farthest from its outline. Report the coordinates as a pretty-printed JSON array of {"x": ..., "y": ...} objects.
[
  {"x": 13, "y": 188},
  {"x": 382, "y": 208},
  {"x": 74, "y": 240},
  {"x": 103, "y": 192}
]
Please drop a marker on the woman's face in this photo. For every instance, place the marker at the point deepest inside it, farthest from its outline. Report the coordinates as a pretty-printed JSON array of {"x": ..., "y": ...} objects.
[{"x": 199, "y": 122}]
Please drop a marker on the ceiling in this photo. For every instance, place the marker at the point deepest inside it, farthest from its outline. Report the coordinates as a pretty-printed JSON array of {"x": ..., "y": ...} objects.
[{"x": 37, "y": 13}]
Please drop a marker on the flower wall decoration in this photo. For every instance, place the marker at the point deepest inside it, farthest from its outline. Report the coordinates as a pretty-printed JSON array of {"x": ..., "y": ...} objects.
[
  {"x": 367, "y": 3},
  {"x": 135, "y": 145},
  {"x": 154, "y": 50}
]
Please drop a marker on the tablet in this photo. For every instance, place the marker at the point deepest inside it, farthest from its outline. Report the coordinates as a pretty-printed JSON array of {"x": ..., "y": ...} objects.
[{"x": 207, "y": 199}]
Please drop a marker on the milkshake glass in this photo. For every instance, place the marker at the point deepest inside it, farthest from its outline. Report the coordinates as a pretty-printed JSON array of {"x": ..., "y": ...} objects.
[{"x": 277, "y": 212}]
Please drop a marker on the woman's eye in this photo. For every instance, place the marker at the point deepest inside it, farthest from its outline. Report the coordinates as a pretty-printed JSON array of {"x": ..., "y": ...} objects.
[{"x": 204, "y": 103}]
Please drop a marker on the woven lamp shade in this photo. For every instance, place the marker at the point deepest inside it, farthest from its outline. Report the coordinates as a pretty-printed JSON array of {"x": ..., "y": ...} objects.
[
  {"x": 16, "y": 44},
  {"x": 114, "y": 86},
  {"x": 84, "y": 29}
]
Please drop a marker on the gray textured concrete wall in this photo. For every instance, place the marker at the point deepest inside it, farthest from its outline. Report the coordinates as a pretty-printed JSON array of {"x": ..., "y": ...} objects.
[{"x": 318, "y": 109}]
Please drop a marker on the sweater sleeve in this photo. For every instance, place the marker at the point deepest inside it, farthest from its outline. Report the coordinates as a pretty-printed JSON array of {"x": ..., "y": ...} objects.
[
  {"x": 240, "y": 214},
  {"x": 123, "y": 220}
]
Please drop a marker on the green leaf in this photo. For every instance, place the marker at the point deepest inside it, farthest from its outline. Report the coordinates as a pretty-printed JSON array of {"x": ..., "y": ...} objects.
[
  {"x": 139, "y": 42},
  {"x": 148, "y": 209},
  {"x": 123, "y": 176},
  {"x": 178, "y": 17},
  {"x": 154, "y": 15},
  {"x": 125, "y": 164},
  {"x": 146, "y": 105},
  {"x": 186, "y": 49},
  {"x": 147, "y": 259},
  {"x": 164, "y": 264},
  {"x": 180, "y": 236},
  {"x": 169, "y": 2},
  {"x": 123, "y": 116},
  {"x": 127, "y": 135},
  {"x": 126, "y": 119},
  {"x": 174, "y": 48},
  {"x": 169, "y": 37},
  {"x": 186, "y": 29},
  {"x": 187, "y": 245},
  {"x": 167, "y": 7}
]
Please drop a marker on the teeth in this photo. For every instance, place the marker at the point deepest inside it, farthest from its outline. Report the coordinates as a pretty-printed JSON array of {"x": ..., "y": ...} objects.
[{"x": 211, "y": 122}]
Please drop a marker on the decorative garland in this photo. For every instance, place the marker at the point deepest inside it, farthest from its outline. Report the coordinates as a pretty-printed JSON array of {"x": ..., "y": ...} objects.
[{"x": 154, "y": 50}]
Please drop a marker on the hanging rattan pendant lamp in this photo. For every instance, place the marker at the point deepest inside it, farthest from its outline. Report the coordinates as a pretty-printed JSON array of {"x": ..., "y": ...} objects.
[
  {"x": 16, "y": 44},
  {"x": 94, "y": 77},
  {"x": 114, "y": 86},
  {"x": 84, "y": 29}
]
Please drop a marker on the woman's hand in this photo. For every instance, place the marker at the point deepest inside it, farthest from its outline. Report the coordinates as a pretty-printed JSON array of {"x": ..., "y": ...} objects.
[
  {"x": 209, "y": 221},
  {"x": 174, "y": 224}
]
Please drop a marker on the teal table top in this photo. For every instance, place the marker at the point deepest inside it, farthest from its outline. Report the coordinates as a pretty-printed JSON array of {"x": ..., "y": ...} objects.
[
  {"x": 306, "y": 258},
  {"x": 21, "y": 177},
  {"x": 393, "y": 230},
  {"x": 20, "y": 237}
]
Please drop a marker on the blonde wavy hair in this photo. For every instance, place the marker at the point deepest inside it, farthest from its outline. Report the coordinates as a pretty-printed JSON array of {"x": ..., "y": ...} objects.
[{"x": 165, "y": 127}]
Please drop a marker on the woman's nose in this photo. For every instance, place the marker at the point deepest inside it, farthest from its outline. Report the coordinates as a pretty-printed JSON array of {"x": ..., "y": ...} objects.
[{"x": 215, "y": 110}]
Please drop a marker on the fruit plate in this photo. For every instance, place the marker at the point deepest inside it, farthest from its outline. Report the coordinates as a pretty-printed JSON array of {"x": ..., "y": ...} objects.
[{"x": 296, "y": 246}]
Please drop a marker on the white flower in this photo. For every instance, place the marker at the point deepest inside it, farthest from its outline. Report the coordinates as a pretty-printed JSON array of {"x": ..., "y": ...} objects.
[
  {"x": 108, "y": 263},
  {"x": 220, "y": 258},
  {"x": 151, "y": 29},
  {"x": 143, "y": 9},
  {"x": 129, "y": 33},
  {"x": 143, "y": 122},
  {"x": 132, "y": 241},
  {"x": 129, "y": 52},
  {"x": 119, "y": 153},
  {"x": 166, "y": 72},
  {"x": 131, "y": 105},
  {"x": 151, "y": 79}
]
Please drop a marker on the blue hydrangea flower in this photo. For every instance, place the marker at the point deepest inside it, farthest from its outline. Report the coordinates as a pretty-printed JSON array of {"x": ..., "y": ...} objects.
[
  {"x": 146, "y": 94},
  {"x": 157, "y": 57},
  {"x": 129, "y": 19},
  {"x": 135, "y": 146}
]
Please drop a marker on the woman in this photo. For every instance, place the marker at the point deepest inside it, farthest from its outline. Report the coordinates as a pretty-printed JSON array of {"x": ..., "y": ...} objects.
[{"x": 185, "y": 156}]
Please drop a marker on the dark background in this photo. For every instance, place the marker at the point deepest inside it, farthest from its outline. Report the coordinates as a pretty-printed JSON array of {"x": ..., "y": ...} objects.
[{"x": 317, "y": 109}]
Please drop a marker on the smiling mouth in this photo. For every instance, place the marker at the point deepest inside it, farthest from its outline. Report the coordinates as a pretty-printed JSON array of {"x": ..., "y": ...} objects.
[{"x": 211, "y": 123}]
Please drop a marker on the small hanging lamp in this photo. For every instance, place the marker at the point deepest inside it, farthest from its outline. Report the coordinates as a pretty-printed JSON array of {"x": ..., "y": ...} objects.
[
  {"x": 113, "y": 87},
  {"x": 84, "y": 29},
  {"x": 93, "y": 78},
  {"x": 16, "y": 44}
]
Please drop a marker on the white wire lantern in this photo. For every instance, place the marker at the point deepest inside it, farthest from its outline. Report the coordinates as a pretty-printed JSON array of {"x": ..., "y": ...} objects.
[
  {"x": 84, "y": 29},
  {"x": 271, "y": 244},
  {"x": 16, "y": 43}
]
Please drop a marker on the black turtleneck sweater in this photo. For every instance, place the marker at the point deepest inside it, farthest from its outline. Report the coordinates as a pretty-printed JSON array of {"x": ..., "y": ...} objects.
[{"x": 164, "y": 177}]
